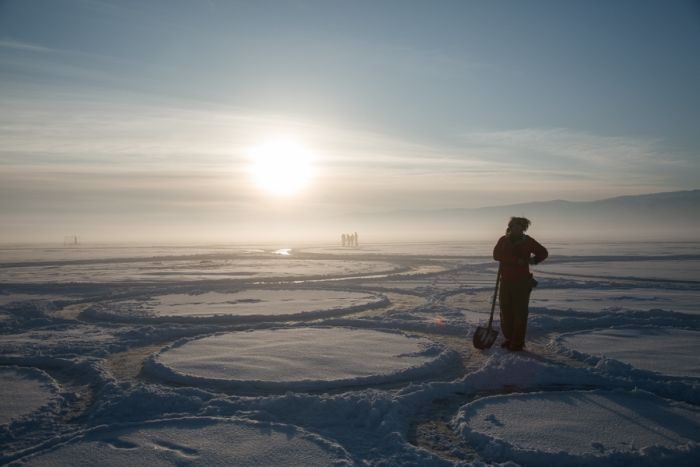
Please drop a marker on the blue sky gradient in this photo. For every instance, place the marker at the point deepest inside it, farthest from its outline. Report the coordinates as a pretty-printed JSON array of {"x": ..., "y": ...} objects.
[{"x": 140, "y": 113}]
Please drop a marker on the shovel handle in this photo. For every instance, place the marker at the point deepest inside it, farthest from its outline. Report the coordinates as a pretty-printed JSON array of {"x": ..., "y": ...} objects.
[{"x": 495, "y": 294}]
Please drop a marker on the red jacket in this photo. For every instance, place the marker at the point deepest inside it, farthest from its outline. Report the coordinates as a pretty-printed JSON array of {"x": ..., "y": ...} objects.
[{"x": 515, "y": 257}]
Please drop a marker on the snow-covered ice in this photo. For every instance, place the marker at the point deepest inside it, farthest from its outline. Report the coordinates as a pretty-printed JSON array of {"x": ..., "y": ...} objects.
[
  {"x": 684, "y": 271},
  {"x": 24, "y": 391},
  {"x": 194, "y": 441},
  {"x": 673, "y": 352},
  {"x": 301, "y": 358},
  {"x": 270, "y": 266},
  {"x": 6, "y": 299},
  {"x": 580, "y": 427},
  {"x": 597, "y": 300},
  {"x": 324, "y": 355},
  {"x": 249, "y": 302}
]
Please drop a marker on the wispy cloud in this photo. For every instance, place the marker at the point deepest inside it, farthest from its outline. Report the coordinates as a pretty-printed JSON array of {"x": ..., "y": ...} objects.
[
  {"x": 24, "y": 46},
  {"x": 561, "y": 152},
  {"x": 179, "y": 155}
]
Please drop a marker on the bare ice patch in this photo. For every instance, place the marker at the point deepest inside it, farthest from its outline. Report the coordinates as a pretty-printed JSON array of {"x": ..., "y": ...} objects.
[
  {"x": 581, "y": 428},
  {"x": 195, "y": 441},
  {"x": 672, "y": 352},
  {"x": 300, "y": 358}
]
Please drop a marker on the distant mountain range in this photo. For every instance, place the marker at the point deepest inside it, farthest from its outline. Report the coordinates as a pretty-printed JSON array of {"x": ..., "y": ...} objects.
[
  {"x": 679, "y": 206},
  {"x": 670, "y": 215}
]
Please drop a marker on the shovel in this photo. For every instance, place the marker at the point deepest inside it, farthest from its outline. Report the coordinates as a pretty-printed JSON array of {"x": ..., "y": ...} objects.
[{"x": 484, "y": 337}]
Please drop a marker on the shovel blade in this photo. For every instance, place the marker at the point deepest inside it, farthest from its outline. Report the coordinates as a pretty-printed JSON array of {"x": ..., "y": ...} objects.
[{"x": 484, "y": 337}]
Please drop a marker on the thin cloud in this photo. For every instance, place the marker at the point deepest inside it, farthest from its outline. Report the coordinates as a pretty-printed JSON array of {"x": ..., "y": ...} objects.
[
  {"x": 24, "y": 46},
  {"x": 186, "y": 155},
  {"x": 568, "y": 151}
]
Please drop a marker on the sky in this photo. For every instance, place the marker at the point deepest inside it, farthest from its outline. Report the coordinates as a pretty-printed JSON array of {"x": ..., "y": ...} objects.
[{"x": 140, "y": 120}]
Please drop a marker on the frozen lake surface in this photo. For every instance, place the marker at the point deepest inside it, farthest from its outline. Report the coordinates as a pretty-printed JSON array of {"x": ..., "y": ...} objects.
[
  {"x": 667, "y": 351},
  {"x": 261, "y": 303},
  {"x": 302, "y": 358},
  {"x": 198, "y": 441},
  {"x": 24, "y": 392},
  {"x": 568, "y": 427},
  {"x": 325, "y": 355}
]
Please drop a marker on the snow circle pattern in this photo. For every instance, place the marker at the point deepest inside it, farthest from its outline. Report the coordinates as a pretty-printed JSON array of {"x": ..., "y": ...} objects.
[
  {"x": 24, "y": 391},
  {"x": 299, "y": 358},
  {"x": 172, "y": 269},
  {"x": 259, "y": 302},
  {"x": 581, "y": 428},
  {"x": 674, "y": 352},
  {"x": 195, "y": 441},
  {"x": 250, "y": 303}
]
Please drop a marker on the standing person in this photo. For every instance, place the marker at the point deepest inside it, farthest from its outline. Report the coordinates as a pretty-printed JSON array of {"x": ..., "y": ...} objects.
[{"x": 516, "y": 251}]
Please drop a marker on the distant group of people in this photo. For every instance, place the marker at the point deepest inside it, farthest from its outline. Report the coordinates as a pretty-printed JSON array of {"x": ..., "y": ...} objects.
[{"x": 349, "y": 239}]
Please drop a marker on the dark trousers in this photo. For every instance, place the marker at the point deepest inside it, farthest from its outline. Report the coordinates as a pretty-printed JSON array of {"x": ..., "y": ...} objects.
[{"x": 513, "y": 299}]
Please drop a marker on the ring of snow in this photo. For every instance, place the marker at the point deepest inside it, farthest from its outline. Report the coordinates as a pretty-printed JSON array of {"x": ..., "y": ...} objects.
[
  {"x": 195, "y": 441},
  {"x": 299, "y": 359},
  {"x": 581, "y": 428},
  {"x": 245, "y": 305},
  {"x": 674, "y": 352},
  {"x": 195, "y": 269},
  {"x": 25, "y": 391}
]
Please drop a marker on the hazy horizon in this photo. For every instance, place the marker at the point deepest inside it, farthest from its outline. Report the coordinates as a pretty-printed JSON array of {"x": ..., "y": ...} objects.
[{"x": 295, "y": 121}]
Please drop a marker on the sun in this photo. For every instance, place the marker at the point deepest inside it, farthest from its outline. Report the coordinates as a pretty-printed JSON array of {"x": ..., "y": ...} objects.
[{"x": 281, "y": 167}]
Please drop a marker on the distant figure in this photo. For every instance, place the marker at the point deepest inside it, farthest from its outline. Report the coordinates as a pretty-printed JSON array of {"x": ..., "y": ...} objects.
[
  {"x": 343, "y": 239},
  {"x": 356, "y": 241},
  {"x": 516, "y": 251}
]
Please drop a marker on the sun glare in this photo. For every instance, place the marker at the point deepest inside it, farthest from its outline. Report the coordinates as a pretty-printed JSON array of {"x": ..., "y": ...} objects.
[{"x": 281, "y": 167}]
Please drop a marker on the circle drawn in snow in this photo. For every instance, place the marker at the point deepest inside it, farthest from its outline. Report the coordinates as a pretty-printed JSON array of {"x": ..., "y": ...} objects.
[
  {"x": 195, "y": 441},
  {"x": 24, "y": 391},
  {"x": 674, "y": 352},
  {"x": 249, "y": 304},
  {"x": 173, "y": 269},
  {"x": 567, "y": 427},
  {"x": 299, "y": 358},
  {"x": 258, "y": 302}
]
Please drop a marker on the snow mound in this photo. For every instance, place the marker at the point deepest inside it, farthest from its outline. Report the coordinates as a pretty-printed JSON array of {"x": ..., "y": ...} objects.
[
  {"x": 25, "y": 391},
  {"x": 299, "y": 358},
  {"x": 582, "y": 428},
  {"x": 250, "y": 303},
  {"x": 667, "y": 351},
  {"x": 195, "y": 441}
]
